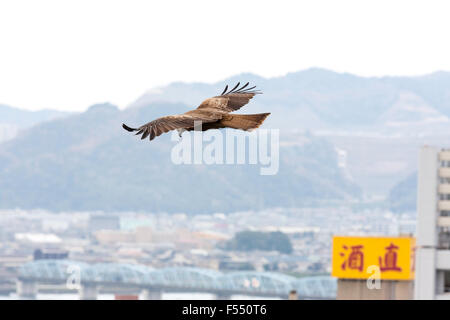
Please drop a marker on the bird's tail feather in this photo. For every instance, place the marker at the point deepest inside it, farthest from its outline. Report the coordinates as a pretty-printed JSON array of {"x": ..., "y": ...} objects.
[
  {"x": 128, "y": 128},
  {"x": 245, "y": 122}
]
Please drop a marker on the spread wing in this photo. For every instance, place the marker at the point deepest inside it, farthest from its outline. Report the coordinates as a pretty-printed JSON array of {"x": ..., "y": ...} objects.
[
  {"x": 168, "y": 123},
  {"x": 232, "y": 100}
]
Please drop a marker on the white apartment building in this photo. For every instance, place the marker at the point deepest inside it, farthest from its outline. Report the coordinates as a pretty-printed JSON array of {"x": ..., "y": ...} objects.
[{"x": 432, "y": 256}]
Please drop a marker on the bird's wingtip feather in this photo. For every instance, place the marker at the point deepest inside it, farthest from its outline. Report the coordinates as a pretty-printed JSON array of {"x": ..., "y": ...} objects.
[{"x": 127, "y": 127}]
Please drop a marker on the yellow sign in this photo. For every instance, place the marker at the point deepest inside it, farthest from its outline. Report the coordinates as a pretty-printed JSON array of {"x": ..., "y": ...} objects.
[{"x": 374, "y": 257}]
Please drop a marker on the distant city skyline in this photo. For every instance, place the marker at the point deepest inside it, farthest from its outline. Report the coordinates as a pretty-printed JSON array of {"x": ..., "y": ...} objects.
[{"x": 68, "y": 56}]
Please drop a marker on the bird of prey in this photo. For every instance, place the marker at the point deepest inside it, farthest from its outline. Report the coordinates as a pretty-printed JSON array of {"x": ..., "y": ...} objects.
[{"x": 213, "y": 113}]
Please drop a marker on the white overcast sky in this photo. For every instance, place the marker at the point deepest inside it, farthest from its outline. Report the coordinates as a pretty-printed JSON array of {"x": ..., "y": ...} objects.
[{"x": 68, "y": 55}]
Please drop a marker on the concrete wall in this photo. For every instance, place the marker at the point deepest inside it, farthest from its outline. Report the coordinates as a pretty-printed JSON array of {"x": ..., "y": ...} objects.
[{"x": 349, "y": 289}]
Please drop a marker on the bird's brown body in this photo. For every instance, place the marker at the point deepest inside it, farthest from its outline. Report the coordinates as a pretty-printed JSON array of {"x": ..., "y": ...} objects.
[{"x": 213, "y": 113}]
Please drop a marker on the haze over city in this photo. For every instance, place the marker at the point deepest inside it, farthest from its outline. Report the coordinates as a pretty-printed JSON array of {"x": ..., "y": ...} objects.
[{"x": 106, "y": 193}]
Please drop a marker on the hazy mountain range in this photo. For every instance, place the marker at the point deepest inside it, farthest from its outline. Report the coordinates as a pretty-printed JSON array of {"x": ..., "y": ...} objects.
[
  {"x": 403, "y": 197},
  {"x": 13, "y": 119},
  {"x": 87, "y": 161},
  {"x": 319, "y": 99}
]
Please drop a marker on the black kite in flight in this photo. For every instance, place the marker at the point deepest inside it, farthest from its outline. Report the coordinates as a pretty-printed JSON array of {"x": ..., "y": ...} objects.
[{"x": 213, "y": 113}]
